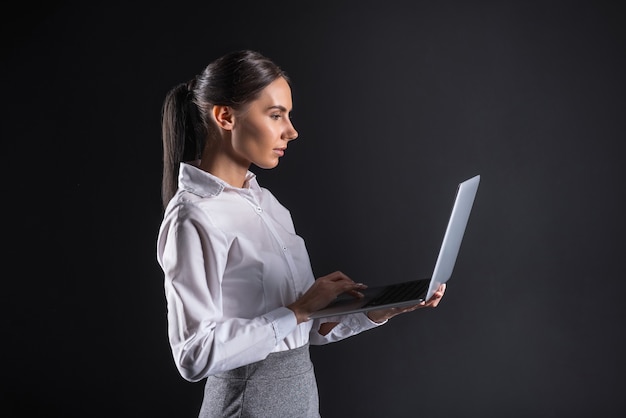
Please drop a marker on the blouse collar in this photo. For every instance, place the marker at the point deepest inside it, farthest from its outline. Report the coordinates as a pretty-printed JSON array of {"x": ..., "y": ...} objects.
[{"x": 204, "y": 184}]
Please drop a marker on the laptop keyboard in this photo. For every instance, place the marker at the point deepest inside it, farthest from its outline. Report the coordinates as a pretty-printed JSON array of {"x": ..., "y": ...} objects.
[{"x": 400, "y": 292}]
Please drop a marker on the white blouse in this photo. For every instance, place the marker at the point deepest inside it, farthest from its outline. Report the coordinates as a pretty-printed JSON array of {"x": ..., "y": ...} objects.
[{"x": 232, "y": 263}]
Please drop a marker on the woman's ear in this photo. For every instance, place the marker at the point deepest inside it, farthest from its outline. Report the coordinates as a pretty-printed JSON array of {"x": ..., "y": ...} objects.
[{"x": 223, "y": 116}]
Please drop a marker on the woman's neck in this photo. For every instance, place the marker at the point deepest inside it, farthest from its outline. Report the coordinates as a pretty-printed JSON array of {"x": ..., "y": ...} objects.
[{"x": 223, "y": 166}]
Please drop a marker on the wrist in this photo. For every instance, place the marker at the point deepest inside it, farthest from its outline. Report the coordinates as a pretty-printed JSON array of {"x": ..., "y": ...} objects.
[
  {"x": 300, "y": 315},
  {"x": 377, "y": 317}
]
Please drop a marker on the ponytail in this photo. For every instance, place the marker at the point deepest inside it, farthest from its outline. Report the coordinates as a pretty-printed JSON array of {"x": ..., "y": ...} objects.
[{"x": 182, "y": 134}]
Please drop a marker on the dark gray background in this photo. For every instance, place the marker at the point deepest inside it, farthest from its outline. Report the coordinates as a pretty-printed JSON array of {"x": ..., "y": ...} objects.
[{"x": 395, "y": 103}]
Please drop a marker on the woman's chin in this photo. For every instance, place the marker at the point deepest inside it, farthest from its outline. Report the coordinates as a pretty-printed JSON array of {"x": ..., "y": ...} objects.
[{"x": 267, "y": 165}]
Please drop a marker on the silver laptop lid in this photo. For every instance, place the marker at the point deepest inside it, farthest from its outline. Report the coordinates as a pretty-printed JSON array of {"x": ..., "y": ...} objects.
[{"x": 466, "y": 192}]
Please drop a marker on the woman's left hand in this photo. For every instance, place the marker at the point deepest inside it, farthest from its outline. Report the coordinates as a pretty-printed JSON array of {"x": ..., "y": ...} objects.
[{"x": 382, "y": 315}]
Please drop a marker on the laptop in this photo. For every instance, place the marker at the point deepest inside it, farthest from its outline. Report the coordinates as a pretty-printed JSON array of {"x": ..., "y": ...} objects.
[{"x": 415, "y": 291}]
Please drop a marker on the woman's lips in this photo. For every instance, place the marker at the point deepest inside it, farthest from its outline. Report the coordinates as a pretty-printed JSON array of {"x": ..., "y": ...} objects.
[{"x": 280, "y": 151}]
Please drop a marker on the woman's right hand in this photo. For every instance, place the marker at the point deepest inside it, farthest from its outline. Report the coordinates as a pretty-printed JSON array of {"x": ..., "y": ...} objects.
[{"x": 324, "y": 290}]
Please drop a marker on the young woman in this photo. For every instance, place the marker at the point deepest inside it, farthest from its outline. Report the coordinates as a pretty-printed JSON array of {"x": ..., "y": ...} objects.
[{"x": 238, "y": 280}]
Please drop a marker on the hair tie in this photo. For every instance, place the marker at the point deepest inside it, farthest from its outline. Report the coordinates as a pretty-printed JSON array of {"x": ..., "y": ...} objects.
[{"x": 191, "y": 84}]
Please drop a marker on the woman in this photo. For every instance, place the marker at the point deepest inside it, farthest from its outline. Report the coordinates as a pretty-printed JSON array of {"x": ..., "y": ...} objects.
[{"x": 238, "y": 280}]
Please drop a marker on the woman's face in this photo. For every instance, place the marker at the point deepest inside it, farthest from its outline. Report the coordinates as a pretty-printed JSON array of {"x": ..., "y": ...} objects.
[{"x": 262, "y": 129}]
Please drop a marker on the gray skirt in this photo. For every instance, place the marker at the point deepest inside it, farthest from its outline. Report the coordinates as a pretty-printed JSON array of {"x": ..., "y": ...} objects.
[{"x": 282, "y": 385}]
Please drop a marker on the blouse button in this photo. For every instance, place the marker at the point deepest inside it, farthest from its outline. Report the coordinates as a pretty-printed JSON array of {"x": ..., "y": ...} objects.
[{"x": 259, "y": 209}]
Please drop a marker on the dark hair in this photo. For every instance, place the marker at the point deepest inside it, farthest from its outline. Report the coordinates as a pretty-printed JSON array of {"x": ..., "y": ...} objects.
[{"x": 234, "y": 80}]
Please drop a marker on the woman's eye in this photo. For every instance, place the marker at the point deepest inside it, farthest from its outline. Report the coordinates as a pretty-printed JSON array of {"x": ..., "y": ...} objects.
[{"x": 275, "y": 116}]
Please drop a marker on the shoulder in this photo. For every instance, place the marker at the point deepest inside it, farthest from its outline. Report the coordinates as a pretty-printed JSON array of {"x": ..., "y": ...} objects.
[
  {"x": 186, "y": 211},
  {"x": 187, "y": 222}
]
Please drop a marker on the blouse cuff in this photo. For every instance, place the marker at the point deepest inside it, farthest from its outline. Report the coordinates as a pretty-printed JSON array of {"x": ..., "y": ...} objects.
[{"x": 283, "y": 322}]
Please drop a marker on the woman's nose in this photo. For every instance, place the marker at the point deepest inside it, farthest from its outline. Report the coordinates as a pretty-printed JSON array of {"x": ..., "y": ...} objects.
[{"x": 291, "y": 132}]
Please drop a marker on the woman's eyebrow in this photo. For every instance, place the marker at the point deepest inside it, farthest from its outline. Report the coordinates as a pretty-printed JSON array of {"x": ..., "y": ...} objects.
[{"x": 279, "y": 107}]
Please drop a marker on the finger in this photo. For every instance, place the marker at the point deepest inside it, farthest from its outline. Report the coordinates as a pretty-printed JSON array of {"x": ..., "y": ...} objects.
[
  {"x": 354, "y": 290},
  {"x": 435, "y": 301},
  {"x": 438, "y": 293},
  {"x": 356, "y": 294},
  {"x": 338, "y": 276},
  {"x": 348, "y": 286},
  {"x": 345, "y": 282}
]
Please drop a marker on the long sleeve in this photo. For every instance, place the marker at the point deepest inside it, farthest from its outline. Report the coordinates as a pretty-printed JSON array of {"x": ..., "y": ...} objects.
[
  {"x": 203, "y": 340},
  {"x": 348, "y": 326}
]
